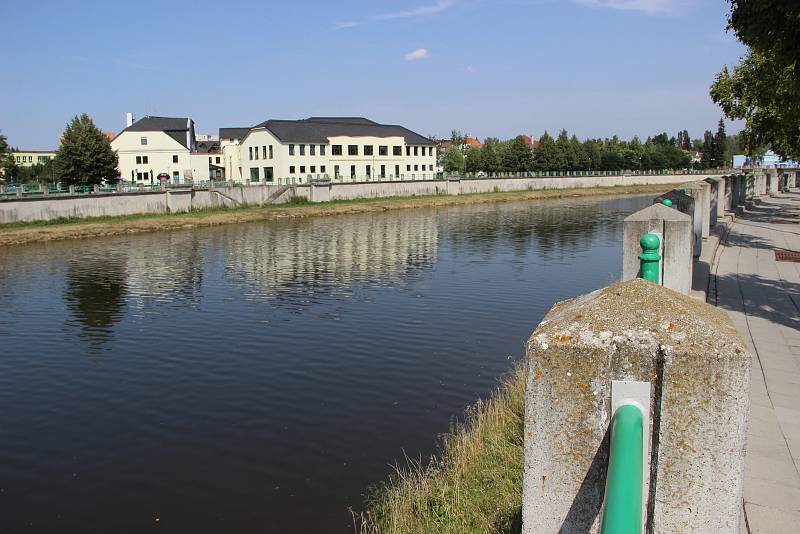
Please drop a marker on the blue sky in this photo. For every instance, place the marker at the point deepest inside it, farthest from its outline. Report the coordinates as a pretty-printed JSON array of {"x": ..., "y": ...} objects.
[{"x": 485, "y": 67}]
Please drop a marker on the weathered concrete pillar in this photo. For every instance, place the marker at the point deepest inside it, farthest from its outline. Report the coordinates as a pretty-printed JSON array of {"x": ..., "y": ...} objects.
[
  {"x": 685, "y": 203},
  {"x": 729, "y": 192},
  {"x": 772, "y": 181},
  {"x": 699, "y": 371},
  {"x": 717, "y": 200},
  {"x": 72, "y": 190},
  {"x": 700, "y": 191},
  {"x": 676, "y": 233},
  {"x": 454, "y": 185},
  {"x": 20, "y": 190},
  {"x": 320, "y": 192},
  {"x": 43, "y": 189},
  {"x": 119, "y": 187},
  {"x": 179, "y": 200},
  {"x": 96, "y": 188}
]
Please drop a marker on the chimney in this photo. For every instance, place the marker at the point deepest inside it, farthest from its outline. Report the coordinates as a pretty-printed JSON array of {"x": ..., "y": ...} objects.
[{"x": 128, "y": 119}]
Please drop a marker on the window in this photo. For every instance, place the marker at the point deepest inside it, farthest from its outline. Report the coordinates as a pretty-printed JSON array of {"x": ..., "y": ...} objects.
[
  {"x": 144, "y": 160},
  {"x": 254, "y": 174},
  {"x": 352, "y": 150},
  {"x": 430, "y": 151},
  {"x": 175, "y": 158},
  {"x": 408, "y": 168},
  {"x": 264, "y": 152},
  {"x": 270, "y": 151},
  {"x": 291, "y": 150},
  {"x": 367, "y": 150},
  {"x": 138, "y": 160},
  {"x": 302, "y": 169},
  {"x": 383, "y": 150},
  {"x": 312, "y": 150},
  {"x": 383, "y": 171},
  {"x": 217, "y": 159},
  {"x": 291, "y": 169},
  {"x": 255, "y": 153},
  {"x": 268, "y": 174},
  {"x": 416, "y": 148},
  {"x": 397, "y": 170},
  {"x": 416, "y": 167},
  {"x": 408, "y": 151},
  {"x": 397, "y": 150},
  {"x": 143, "y": 140},
  {"x": 368, "y": 171},
  {"x": 210, "y": 161},
  {"x": 139, "y": 176},
  {"x": 352, "y": 171},
  {"x": 302, "y": 150},
  {"x": 322, "y": 150},
  {"x": 175, "y": 175},
  {"x": 322, "y": 169},
  {"x": 430, "y": 167},
  {"x": 249, "y": 152},
  {"x": 336, "y": 150},
  {"x": 336, "y": 170},
  {"x": 313, "y": 167}
]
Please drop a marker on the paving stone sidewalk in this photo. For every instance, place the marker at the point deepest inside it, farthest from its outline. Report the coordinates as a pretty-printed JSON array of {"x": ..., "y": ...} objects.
[{"x": 762, "y": 296}]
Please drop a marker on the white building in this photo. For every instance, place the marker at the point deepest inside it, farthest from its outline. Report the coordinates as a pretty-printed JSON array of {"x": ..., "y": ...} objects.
[
  {"x": 342, "y": 148},
  {"x": 164, "y": 147},
  {"x": 229, "y": 139}
]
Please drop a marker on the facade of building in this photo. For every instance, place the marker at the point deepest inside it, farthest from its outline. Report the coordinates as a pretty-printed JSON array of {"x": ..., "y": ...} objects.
[
  {"x": 229, "y": 139},
  {"x": 341, "y": 148},
  {"x": 166, "y": 147},
  {"x": 29, "y": 158}
]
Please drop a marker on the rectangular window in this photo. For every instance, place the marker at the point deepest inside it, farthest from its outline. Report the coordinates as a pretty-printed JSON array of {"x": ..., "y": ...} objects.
[
  {"x": 175, "y": 175},
  {"x": 397, "y": 170},
  {"x": 312, "y": 149},
  {"x": 175, "y": 158},
  {"x": 336, "y": 150},
  {"x": 302, "y": 150},
  {"x": 408, "y": 150},
  {"x": 264, "y": 152},
  {"x": 143, "y": 140},
  {"x": 352, "y": 150},
  {"x": 321, "y": 150},
  {"x": 302, "y": 169},
  {"x": 416, "y": 150},
  {"x": 144, "y": 160},
  {"x": 383, "y": 171},
  {"x": 138, "y": 160},
  {"x": 291, "y": 169},
  {"x": 367, "y": 150},
  {"x": 255, "y": 153},
  {"x": 430, "y": 151},
  {"x": 430, "y": 167},
  {"x": 270, "y": 151},
  {"x": 313, "y": 167},
  {"x": 416, "y": 167},
  {"x": 336, "y": 170},
  {"x": 408, "y": 168},
  {"x": 249, "y": 152},
  {"x": 268, "y": 174},
  {"x": 322, "y": 169},
  {"x": 210, "y": 160},
  {"x": 368, "y": 171},
  {"x": 397, "y": 150},
  {"x": 352, "y": 171},
  {"x": 217, "y": 160},
  {"x": 291, "y": 150},
  {"x": 383, "y": 150},
  {"x": 254, "y": 174},
  {"x": 139, "y": 176}
]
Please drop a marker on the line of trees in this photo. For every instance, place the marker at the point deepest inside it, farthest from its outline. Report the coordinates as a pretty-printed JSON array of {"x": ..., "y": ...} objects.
[{"x": 567, "y": 153}]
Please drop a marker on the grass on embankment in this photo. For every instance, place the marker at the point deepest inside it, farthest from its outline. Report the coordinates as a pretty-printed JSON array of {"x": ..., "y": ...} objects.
[
  {"x": 25, "y": 232},
  {"x": 473, "y": 486}
]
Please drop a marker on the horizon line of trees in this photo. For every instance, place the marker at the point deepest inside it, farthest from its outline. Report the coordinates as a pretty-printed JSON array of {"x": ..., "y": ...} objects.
[{"x": 567, "y": 153}]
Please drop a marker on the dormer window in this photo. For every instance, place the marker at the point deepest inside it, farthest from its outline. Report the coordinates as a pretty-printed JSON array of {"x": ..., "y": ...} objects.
[{"x": 143, "y": 140}]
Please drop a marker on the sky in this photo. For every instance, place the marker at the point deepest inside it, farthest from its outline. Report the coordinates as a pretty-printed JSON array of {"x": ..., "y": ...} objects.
[{"x": 483, "y": 67}]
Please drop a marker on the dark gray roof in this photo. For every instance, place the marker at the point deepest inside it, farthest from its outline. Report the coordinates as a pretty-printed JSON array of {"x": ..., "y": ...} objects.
[
  {"x": 207, "y": 147},
  {"x": 233, "y": 133},
  {"x": 319, "y": 129},
  {"x": 175, "y": 127}
]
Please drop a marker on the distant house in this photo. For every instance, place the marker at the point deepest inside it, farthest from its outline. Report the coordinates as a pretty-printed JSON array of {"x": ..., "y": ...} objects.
[
  {"x": 29, "y": 158},
  {"x": 533, "y": 143},
  {"x": 470, "y": 142},
  {"x": 767, "y": 160}
]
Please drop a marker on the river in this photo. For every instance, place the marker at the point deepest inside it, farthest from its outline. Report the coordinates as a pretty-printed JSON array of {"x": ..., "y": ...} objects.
[{"x": 259, "y": 377}]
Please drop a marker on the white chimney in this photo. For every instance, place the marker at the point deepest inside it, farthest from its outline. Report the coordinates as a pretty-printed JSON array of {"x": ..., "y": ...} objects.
[{"x": 128, "y": 119}]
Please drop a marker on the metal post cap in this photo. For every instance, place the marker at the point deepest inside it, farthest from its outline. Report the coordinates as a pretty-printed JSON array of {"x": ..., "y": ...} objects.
[
  {"x": 667, "y": 202},
  {"x": 650, "y": 244}
]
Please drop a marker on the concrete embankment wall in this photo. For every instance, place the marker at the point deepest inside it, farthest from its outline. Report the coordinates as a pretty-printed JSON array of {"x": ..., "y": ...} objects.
[{"x": 155, "y": 202}]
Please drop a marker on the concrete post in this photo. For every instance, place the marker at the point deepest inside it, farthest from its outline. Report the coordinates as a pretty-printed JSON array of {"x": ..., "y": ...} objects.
[
  {"x": 44, "y": 190},
  {"x": 96, "y": 188},
  {"x": 676, "y": 233},
  {"x": 717, "y": 201},
  {"x": 119, "y": 187},
  {"x": 729, "y": 192},
  {"x": 742, "y": 189},
  {"x": 701, "y": 192},
  {"x": 772, "y": 181},
  {"x": 699, "y": 371},
  {"x": 72, "y": 190},
  {"x": 320, "y": 192},
  {"x": 20, "y": 190},
  {"x": 687, "y": 204}
]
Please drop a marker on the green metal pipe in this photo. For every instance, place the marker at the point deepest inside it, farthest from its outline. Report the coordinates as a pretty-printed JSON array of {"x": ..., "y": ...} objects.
[{"x": 623, "y": 506}]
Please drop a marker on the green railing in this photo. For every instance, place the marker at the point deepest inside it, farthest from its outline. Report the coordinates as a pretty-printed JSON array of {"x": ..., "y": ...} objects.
[{"x": 624, "y": 506}]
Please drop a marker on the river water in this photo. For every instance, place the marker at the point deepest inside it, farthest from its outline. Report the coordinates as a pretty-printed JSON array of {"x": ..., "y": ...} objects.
[{"x": 259, "y": 377}]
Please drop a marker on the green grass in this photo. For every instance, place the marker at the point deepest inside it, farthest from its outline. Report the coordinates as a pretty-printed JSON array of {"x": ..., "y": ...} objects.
[{"x": 474, "y": 485}]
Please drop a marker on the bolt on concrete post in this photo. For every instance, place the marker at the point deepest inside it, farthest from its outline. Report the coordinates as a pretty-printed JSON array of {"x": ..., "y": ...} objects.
[{"x": 650, "y": 258}]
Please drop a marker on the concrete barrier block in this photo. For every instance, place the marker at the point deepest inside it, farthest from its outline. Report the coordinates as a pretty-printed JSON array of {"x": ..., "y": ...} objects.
[
  {"x": 699, "y": 370},
  {"x": 717, "y": 199},
  {"x": 700, "y": 191},
  {"x": 685, "y": 203},
  {"x": 676, "y": 233},
  {"x": 320, "y": 192}
]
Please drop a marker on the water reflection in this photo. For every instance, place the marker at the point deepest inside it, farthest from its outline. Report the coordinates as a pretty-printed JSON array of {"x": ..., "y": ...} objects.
[{"x": 95, "y": 288}]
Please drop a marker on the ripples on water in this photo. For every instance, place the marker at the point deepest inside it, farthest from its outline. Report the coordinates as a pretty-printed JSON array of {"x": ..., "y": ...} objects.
[{"x": 258, "y": 377}]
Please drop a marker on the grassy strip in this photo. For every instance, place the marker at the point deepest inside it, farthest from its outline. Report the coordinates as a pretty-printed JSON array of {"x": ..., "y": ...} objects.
[
  {"x": 24, "y": 232},
  {"x": 473, "y": 486}
]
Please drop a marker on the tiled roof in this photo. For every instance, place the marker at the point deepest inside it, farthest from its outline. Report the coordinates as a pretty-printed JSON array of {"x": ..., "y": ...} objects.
[
  {"x": 175, "y": 127},
  {"x": 233, "y": 133}
]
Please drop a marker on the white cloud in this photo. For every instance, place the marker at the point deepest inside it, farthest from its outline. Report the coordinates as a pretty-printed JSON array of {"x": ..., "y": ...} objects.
[
  {"x": 471, "y": 69},
  {"x": 647, "y": 6},
  {"x": 431, "y": 9},
  {"x": 419, "y": 53}
]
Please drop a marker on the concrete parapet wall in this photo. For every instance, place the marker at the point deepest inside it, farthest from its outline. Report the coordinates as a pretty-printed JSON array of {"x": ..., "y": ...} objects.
[
  {"x": 699, "y": 370},
  {"x": 47, "y": 209}
]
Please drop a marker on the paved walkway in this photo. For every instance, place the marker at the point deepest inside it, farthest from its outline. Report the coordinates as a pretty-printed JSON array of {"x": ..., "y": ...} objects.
[{"x": 762, "y": 297}]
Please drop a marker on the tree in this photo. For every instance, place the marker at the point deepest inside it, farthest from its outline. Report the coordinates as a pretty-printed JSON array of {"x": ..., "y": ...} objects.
[
  {"x": 473, "y": 159},
  {"x": 8, "y": 166},
  {"x": 85, "y": 155},
  {"x": 720, "y": 142},
  {"x": 489, "y": 159},
  {"x": 686, "y": 144},
  {"x": 517, "y": 156},
  {"x": 763, "y": 88},
  {"x": 453, "y": 160}
]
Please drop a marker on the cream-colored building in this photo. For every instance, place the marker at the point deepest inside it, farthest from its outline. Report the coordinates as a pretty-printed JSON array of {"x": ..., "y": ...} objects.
[
  {"x": 229, "y": 139},
  {"x": 340, "y": 148},
  {"x": 165, "y": 147},
  {"x": 29, "y": 158}
]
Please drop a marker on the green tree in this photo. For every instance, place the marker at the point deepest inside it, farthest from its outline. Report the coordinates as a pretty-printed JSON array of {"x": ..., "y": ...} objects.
[
  {"x": 517, "y": 156},
  {"x": 8, "y": 167},
  {"x": 453, "y": 160},
  {"x": 720, "y": 145},
  {"x": 763, "y": 88},
  {"x": 85, "y": 155},
  {"x": 489, "y": 158},
  {"x": 473, "y": 159},
  {"x": 545, "y": 157}
]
